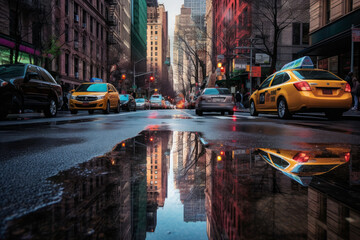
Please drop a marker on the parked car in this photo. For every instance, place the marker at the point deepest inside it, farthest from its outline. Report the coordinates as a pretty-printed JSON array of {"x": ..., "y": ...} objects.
[
  {"x": 215, "y": 100},
  {"x": 26, "y": 86},
  {"x": 95, "y": 96},
  {"x": 157, "y": 102},
  {"x": 127, "y": 102},
  {"x": 141, "y": 103},
  {"x": 298, "y": 87}
]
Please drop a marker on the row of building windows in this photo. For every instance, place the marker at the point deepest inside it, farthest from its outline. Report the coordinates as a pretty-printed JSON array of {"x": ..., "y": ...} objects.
[{"x": 76, "y": 64}]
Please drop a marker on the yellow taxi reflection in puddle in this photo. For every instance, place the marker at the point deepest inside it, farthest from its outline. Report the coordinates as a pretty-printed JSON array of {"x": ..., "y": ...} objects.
[{"x": 302, "y": 165}]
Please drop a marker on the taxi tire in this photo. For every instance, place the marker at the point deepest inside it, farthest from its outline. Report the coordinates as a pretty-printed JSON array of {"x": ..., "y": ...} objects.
[
  {"x": 253, "y": 111},
  {"x": 282, "y": 104},
  {"x": 91, "y": 111},
  {"x": 73, "y": 111},
  {"x": 107, "y": 110},
  {"x": 117, "y": 109}
]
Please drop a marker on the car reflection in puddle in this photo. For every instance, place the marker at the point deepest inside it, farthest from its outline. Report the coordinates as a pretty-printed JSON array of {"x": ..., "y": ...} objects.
[{"x": 168, "y": 185}]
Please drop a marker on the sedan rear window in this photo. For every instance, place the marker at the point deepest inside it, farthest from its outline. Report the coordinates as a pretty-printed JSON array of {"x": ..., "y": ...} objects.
[
  {"x": 217, "y": 91},
  {"x": 156, "y": 97},
  {"x": 315, "y": 75},
  {"x": 8, "y": 72},
  {"x": 124, "y": 97},
  {"x": 99, "y": 87},
  {"x": 139, "y": 100}
]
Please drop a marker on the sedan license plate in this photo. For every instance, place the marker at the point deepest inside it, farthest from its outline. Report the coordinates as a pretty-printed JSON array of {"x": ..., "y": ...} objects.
[
  {"x": 327, "y": 91},
  {"x": 85, "y": 104},
  {"x": 218, "y": 99}
]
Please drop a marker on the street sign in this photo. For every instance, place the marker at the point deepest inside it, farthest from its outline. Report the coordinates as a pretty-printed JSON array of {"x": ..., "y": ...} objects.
[
  {"x": 262, "y": 58},
  {"x": 356, "y": 34},
  {"x": 256, "y": 71}
]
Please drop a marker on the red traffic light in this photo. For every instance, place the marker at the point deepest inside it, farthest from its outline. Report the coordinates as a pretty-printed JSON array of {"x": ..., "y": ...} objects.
[
  {"x": 222, "y": 69},
  {"x": 152, "y": 78},
  {"x": 123, "y": 76}
]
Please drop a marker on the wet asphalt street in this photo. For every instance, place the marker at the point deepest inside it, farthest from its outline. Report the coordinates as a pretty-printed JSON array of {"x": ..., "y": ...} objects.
[{"x": 35, "y": 149}]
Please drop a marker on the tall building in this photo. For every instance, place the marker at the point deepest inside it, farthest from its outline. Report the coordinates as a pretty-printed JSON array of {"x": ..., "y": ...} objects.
[
  {"x": 181, "y": 70},
  {"x": 198, "y": 10},
  {"x": 138, "y": 40},
  {"x": 152, "y": 3},
  {"x": 330, "y": 35},
  {"x": 157, "y": 45},
  {"x": 118, "y": 16},
  {"x": 72, "y": 34}
]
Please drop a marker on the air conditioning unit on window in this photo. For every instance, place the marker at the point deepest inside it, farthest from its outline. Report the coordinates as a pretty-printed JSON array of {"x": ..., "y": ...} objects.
[
  {"x": 76, "y": 18},
  {"x": 76, "y": 44},
  {"x": 76, "y": 75},
  {"x": 84, "y": 25}
]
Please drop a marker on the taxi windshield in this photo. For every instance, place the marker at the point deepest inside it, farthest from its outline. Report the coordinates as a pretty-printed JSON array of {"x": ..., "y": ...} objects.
[
  {"x": 315, "y": 75},
  {"x": 98, "y": 87},
  {"x": 139, "y": 100}
]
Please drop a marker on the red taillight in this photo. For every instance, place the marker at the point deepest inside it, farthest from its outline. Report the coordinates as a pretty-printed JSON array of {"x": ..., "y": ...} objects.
[
  {"x": 302, "y": 86},
  {"x": 234, "y": 108},
  {"x": 348, "y": 88},
  {"x": 301, "y": 157},
  {"x": 347, "y": 157}
]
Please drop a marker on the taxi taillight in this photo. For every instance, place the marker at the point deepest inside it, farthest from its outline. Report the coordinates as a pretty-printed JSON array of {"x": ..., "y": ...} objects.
[
  {"x": 348, "y": 88},
  {"x": 302, "y": 86},
  {"x": 301, "y": 157}
]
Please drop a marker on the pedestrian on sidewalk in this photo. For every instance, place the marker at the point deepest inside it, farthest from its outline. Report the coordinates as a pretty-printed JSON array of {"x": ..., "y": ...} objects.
[
  {"x": 238, "y": 99},
  {"x": 349, "y": 79},
  {"x": 355, "y": 91}
]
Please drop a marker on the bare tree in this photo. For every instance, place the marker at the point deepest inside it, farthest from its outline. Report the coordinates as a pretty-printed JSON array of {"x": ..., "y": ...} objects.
[{"x": 270, "y": 18}]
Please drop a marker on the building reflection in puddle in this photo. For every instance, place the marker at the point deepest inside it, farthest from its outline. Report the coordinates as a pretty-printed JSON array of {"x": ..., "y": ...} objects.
[{"x": 220, "y": 193}]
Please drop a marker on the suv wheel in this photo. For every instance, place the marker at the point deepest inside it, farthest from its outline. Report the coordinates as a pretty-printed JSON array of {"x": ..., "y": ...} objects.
[{"x": 51, "y": 109}]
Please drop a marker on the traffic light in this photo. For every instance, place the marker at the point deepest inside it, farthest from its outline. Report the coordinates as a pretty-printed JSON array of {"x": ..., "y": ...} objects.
[
  {"x": 222, "y": 70},
  {"x": 123, "y": 76},
  {"x": 219, "y": 65},
  {"x": 152, "y": 79}
]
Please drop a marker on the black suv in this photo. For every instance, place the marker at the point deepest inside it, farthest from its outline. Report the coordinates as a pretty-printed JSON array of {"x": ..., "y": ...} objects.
[{"x": 26, "y": 86}]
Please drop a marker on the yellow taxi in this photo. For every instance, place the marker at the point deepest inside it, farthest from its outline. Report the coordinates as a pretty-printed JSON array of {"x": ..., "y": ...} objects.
[
  {"x": 92, "y": 96},
  {"x": 298, "y": 87},
  {"x": 300, "y": 165}
]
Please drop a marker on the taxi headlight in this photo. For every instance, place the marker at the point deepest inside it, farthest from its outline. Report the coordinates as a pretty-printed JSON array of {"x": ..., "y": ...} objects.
[
  {"x": 100, "y": 97},
  {"x": 72, "y": 97}
]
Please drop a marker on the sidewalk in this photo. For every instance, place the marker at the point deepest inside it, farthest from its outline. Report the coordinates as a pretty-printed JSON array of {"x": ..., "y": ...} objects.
[{"x": 355, "y": 114}]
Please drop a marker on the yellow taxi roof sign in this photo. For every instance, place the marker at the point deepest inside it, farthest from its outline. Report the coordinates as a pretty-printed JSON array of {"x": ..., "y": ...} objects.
[{"x": 304, "y": 62}]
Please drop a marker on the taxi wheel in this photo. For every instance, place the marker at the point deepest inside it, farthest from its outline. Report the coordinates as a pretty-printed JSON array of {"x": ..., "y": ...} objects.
[
  {"x": 107, "y": 110},
  {"x": 283, "y": 111},
  {"x": 73, "y": 111},
  {"x": 333, "y": 115},
  {"x": 91, "y": 111},
  {"x": 117, "y": 109},
  {"x": 253, "y": 111}
]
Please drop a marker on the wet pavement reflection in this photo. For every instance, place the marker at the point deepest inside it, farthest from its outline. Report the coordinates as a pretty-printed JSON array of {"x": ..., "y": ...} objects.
[{"x": 169, "y": 185}]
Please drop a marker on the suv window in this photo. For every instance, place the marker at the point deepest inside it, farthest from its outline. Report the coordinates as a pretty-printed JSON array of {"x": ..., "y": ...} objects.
[
  {"x": 47, "y": 76},
  {"x": 35, "y": 70},
  {"x": 8, "y": 72}
]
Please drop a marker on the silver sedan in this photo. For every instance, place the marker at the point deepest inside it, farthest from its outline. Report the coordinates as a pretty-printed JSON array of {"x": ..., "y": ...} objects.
[{"x": 215, "y": 100}]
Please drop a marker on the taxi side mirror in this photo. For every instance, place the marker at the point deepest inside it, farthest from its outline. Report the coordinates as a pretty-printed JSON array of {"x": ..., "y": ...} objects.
[{"x": 73, "y": 90}]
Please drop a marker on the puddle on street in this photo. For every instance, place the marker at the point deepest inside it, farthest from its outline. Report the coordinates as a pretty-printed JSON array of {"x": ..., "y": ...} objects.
[{"x": 168, "y": 185}]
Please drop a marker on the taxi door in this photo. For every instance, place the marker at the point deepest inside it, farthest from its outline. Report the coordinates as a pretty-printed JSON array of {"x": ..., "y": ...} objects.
[
  {"x": 275, "y": 88},
  {"x": 263, "y": 95},
  {"x": 112, "y": 96}
]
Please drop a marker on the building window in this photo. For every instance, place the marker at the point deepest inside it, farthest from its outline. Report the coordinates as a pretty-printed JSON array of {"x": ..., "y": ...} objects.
[
  {"x": 67, "y": 7},
  {"x": 76, "y": 67},
  {"x": 155, "y": 32},
  {"x": 300, "y": 33},
  {"x": 84, "y": 70},
  {"x": 66, "y": 33},
  {"x": 155, "y": 53},
  {"x": 296, "y": 34},
  {"x": 349, "y": 6},
  {"x": 84, "y": 44},
  {"x": 327, "y": 8},
  {"x": 67, "y": 64},
  {"x": 91, "y": 24},
  {"x": 91, "y": 71},
  {"x": 156, "y": 48}
]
